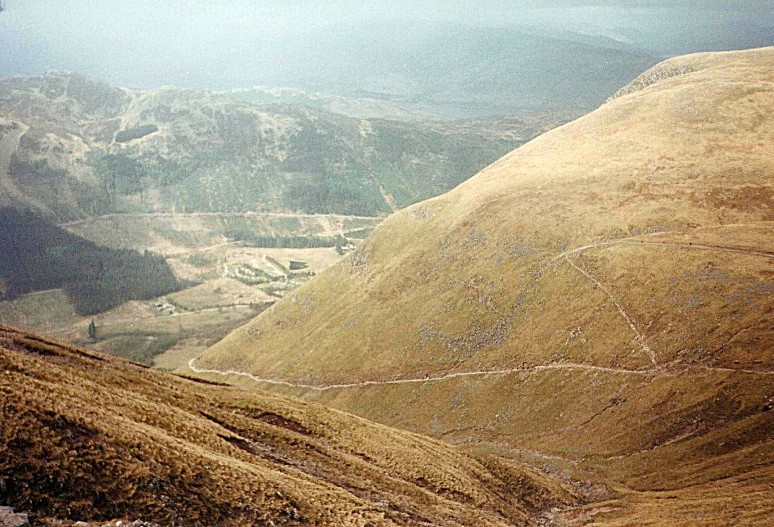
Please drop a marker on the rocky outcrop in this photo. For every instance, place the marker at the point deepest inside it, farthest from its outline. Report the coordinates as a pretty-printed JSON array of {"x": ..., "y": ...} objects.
[
  {"x": 651, "y": 77},
  {"x": 9, "y": 518}
]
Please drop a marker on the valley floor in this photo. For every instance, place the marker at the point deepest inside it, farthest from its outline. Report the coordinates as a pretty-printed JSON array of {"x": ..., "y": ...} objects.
[{"x": 230, "y": 281}]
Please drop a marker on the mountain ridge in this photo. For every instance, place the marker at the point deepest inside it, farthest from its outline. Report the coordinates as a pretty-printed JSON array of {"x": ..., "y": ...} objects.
[
  {"x": 491, "y": 176},
  {"x": 102, "y": 149}
]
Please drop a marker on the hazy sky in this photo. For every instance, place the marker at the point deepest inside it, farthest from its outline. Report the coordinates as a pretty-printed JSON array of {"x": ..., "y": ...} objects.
[{"x": 148, "y": 43}]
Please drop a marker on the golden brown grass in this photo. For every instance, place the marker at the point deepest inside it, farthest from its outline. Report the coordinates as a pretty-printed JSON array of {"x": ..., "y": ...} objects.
[
  {"x": 86, "y": 436},
  {"x": 670, "y": 189}
]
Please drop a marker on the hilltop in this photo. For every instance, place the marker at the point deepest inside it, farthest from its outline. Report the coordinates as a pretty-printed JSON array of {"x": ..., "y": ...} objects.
[
  {"x": 159, "y": 448},
  {"x": 597, "y": 302},
  {"x": 73, "y": 147}
]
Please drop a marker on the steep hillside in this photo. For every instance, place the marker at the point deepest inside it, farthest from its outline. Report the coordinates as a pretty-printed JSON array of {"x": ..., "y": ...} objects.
[
  {"x": 72, "y": 147},
  {"x": 163, "y": 449},
  {"x": 599, "y": 301}
]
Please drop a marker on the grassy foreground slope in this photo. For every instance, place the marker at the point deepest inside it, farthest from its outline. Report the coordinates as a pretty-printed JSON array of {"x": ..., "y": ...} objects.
[
  {"x": 89, "y": 437},
  {"x": 600, "y": 298}
]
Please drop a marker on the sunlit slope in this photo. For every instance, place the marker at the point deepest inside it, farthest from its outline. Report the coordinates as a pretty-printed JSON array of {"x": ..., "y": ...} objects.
[
  {"x": 89, "y": 437},
  {"x": 520, "y": 263},
  {"x": 604, "y": 293}
]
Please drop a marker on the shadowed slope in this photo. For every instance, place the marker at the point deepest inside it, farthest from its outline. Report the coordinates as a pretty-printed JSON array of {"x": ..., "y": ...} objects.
[
  {"x": 606, "y": 289},
  {"x": 89, "y": 437}
]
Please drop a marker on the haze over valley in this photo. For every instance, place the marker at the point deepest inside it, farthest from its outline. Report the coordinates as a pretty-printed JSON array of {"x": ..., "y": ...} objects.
[{"x": 349, "y": 263}]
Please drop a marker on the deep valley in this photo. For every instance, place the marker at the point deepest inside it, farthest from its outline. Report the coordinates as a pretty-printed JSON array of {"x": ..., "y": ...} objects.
[{"x": 367, "y": 264}]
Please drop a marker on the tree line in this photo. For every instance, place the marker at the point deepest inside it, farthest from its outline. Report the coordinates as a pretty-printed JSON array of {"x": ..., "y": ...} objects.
[{"x": 38, "y": 255}]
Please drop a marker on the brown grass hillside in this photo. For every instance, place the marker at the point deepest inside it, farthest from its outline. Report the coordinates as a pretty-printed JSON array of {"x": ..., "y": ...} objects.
[
  {"x": 599, "y": 301},
  {"x": 89, "y": 437}
]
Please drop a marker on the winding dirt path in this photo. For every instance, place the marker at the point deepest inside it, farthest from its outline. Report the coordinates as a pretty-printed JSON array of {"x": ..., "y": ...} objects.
[
  {"x": 456, "y": 375},
  {"x": 699, "y": 246},
  {"x": 419, "y": 380},
  {"x": 656, "y": 369},
  {"x": 639, "y": 241}
]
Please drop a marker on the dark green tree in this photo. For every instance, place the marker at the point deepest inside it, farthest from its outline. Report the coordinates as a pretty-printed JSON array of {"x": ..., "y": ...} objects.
[{"x": 339, "y": 247}]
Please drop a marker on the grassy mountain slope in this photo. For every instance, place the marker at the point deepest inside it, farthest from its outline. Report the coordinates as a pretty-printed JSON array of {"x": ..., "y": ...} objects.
[
  {"x": 73, "y": 147},
  {"x": 598, "y": 300},
  {"x": 152, "y": 446}
]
